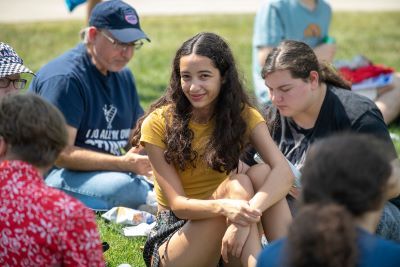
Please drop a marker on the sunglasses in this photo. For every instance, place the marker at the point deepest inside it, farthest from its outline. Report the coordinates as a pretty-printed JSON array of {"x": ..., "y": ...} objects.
[
  {"x": 122, "y": 46},
  {"x": 17, "y": 83}
]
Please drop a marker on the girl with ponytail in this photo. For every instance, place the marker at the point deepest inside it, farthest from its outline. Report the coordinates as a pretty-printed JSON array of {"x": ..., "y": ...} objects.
[
  {"x": 346, "y": 181},
  {"x": 311, "y": 101}
]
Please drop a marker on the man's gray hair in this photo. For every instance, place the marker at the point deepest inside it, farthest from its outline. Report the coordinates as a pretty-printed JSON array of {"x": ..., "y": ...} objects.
[{"x": 84, "y": 35}]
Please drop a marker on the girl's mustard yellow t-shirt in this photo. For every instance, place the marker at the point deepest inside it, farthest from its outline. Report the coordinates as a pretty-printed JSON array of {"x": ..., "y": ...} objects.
[{"x": 199, "y": 182}]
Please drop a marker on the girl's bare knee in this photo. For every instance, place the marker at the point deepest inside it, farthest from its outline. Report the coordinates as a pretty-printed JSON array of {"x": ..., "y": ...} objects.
[
  {"x": 240, "y": 187},
  {"x": 258, "y": 174}
]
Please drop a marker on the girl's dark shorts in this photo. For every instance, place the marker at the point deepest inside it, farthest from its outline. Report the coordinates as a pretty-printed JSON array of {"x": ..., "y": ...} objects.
[{"x": 166, "y": 225}]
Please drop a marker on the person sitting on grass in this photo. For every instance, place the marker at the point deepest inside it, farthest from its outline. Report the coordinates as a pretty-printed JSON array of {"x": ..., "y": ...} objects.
[
  {"x": 346, "y": 181},
  {"x": 310, "y": 101},
  {"x": 194, "y": 135},
  {"x": 40, "y": 226},
  {"x": 91, "y": 85},
  {"x": 307, "y": 21},
  {"x": 72, "y": 4}
]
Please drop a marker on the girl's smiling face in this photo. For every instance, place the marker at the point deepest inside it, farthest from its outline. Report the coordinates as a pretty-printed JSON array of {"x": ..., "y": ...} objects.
[{"x": 201, "y": 83}]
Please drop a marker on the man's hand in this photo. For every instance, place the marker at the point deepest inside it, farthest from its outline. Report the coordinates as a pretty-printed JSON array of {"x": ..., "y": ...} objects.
[{"x": 137, "y": 163}]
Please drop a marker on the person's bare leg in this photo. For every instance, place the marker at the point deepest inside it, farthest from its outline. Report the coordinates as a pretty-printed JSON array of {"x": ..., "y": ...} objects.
[
  {"x": 277, "y": 218},
  {"x": 198, "y": 243},
  {"x": 389, "y": 102},
  {"x": 251, "y": 248},
  {"x": 89, "y": 7},
  {"x": 250, "y": 251}
]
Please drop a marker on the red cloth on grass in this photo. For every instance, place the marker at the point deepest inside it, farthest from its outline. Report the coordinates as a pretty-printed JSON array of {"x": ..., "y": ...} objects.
[{"x": 366, "y": 72}]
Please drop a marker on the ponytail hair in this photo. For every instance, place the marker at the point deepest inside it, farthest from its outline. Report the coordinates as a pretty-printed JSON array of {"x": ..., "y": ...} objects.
[
  {"x": 322, "y": 235},
  {"x": 299, "y": 59},
  {"x": 330, "y": 75}
]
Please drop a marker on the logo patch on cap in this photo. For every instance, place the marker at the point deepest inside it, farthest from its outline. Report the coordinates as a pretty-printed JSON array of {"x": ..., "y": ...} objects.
[{"x": 131, "y": 18}]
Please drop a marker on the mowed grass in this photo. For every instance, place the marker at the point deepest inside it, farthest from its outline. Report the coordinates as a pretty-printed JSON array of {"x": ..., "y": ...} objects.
[{"x": 374, "y": 35}]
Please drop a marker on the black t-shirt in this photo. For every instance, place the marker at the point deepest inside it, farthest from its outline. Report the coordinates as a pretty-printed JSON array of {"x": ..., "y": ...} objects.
[{"x": 341, "y": 111}]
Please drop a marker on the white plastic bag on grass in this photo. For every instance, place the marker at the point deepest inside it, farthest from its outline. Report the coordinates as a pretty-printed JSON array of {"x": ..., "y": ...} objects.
[{"x": 127, "y": 216}]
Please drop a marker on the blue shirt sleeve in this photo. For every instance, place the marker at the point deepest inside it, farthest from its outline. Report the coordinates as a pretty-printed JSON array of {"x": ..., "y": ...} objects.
[
  {"x": 63, "y": 92},
  {"x": 271, "y": 256}
]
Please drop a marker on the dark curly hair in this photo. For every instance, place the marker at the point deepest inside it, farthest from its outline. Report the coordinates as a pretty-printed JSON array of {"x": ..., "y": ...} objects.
[
  {"x": 344, "y": 176},
  {"x": 227, "y": 140}
]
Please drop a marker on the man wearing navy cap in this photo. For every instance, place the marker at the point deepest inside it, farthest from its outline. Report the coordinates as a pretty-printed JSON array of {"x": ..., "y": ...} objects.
[{"x": 97, "y": 94}]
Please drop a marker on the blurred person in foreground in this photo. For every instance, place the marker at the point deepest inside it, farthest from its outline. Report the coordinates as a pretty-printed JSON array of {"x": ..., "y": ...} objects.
[
  {"x": 347, "y": 179},
  {"x": 40, "y": 226}
]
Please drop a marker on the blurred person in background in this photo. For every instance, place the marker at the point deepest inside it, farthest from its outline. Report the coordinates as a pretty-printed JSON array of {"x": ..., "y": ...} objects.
[{"x": 307, "y": 21}]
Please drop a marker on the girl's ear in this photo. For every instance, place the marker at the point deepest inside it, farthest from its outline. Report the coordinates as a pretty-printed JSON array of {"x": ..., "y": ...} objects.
[{"x": 314, "y": 79}]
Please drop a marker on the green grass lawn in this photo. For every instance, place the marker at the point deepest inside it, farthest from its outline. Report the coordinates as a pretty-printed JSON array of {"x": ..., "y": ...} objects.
[{"x": 375, "y": 35}]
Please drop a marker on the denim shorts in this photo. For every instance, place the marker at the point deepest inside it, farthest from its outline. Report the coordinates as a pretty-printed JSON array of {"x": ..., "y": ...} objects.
[{"x": 101, "y": 190}]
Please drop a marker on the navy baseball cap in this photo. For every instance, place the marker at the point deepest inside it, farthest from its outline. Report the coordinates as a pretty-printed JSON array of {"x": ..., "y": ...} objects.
[{"x": 120, "y": 19}]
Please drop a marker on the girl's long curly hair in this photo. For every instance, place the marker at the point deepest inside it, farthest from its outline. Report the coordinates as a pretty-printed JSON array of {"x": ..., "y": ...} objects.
[{"x": 227, "y": 140}]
